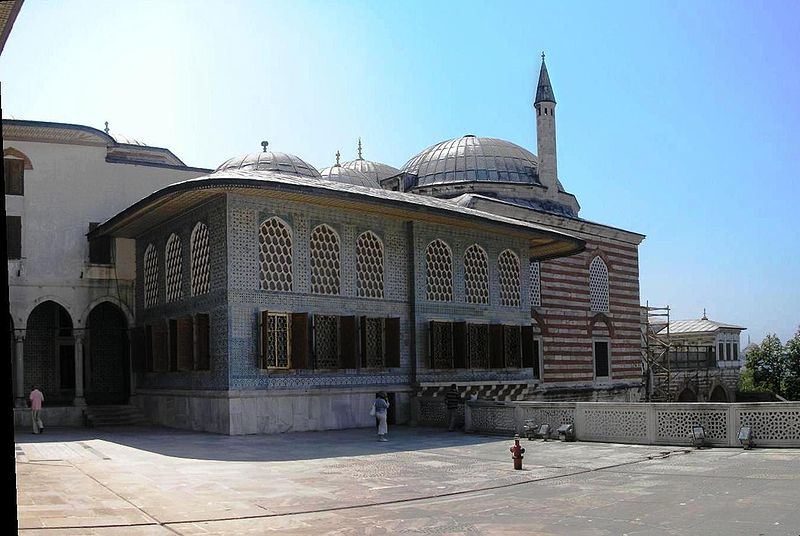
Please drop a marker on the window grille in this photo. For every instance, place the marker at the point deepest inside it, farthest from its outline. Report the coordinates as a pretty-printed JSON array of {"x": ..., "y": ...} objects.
[
  {"x": 200, "y": 261},
  {"x": 536, "y": 285},
  {"x": 478, "y": 345},
  {"x": 373, "y": 338},
  {"x": 277, "y": 352},
  {"x": 441, "y": 345},
  {"x": 369, "y": 265},
  {"x": 150, "y": 276},
  {"x": 512, "y": 346},
  {"x": 508, "y": 266},
  {"x": 275, "y": 255},
  {"x": 476, "y": 275},
  {"x": 172, "y": 265},
  {"x": 439, "y": 271},
  {"x": 598, "y": 285},
  {"x": 326, "y": 341},
  {"x": 325, "y": 274}
]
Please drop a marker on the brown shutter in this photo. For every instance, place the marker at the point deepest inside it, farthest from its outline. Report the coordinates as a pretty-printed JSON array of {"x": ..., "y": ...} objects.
[
  {"x": 431, "y": 343},
  {"x": 203, "y": 355},
  {"x": 363, "y": 340},
  {"x": 527, "y": 346},
  {"x": 459, "y": 344},
  {"x": 392, "y": 331},
  {"x": 14, "y": 237},
  {"x": 160, "y": 347},
  {"x": 185, "y": 350},
  {"x": 173, "y": 345},
  {"x": 348, "y": 335},
  {"x": 148, "y": 348},
  {"x": 263, "y": 339},
  {"x": 299, "y": 357},
  {"x": 496, "y": 359},
  {"x": 139, "y": 354}
]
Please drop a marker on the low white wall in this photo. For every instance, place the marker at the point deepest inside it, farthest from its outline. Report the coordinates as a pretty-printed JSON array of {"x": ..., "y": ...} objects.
[
  {"x": 774, "y": 424},
  {"x": 52, "y": 416}
]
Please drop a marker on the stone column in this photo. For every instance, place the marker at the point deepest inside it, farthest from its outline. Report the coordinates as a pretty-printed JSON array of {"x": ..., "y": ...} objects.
[
  {"x": 19, "y": 366},
  {"x": 79, "y": 400}
]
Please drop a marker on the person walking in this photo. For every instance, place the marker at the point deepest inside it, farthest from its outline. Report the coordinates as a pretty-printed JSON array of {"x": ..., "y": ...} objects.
[
  {"x": 36, "y": 398},
  {"x": 451, "y": 401},
  {"x": 381, "y": 405}
]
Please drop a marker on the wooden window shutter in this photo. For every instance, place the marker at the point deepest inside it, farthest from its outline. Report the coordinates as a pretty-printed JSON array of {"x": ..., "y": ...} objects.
[
  {"x": 263, "y": 344},
  {"x": 160, "y": 347},
  {"x": 527, "y": 347},
  {"x": 392, "y": 330},
  {"x": 138, "y": 351},
  {"x": 348, "y": 336},
  {"x": 14, "y": 237},
  {"x": 173, "y": 344},
  {"x": 203, "y": 342},
  {"x": 299, "y": 348},
  {"x": 431, "y": 343},
  {"x": 185, "y": 344},
  {"x": 459, "y": 345},
  {"x": 148, "y": 348},
  {"x": 362, "y": 337},
  {"x": 496, "y": 359}
]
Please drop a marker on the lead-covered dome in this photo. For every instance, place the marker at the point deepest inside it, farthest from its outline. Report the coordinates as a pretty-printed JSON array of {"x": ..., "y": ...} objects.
[
  {"x": 373, "y": 170},
  {"x": 271, "y": 161},
  {"x": 470, "y": 158},
  {"x": 340, "y": 173}
]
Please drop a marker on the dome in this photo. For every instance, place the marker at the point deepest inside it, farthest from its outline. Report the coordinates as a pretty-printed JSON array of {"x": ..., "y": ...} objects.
[
  {"x": 271, "y": 161},
  {"x": 127, "y": 140},
  {"x": 375, "y": 171},
  {"x": 346, "y": 175},
  {"x": 469, "y": 158}
]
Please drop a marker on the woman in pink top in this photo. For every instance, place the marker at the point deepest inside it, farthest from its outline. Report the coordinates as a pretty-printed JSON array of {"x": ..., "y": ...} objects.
[{"x": 36, "y": 397}]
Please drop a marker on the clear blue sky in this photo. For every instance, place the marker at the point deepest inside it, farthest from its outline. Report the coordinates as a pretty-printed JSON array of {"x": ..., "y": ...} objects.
[{"x": 677, "y": 119}]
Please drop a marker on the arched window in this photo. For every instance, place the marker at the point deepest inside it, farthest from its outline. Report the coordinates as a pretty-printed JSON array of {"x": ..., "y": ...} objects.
[
  {"x": 325, "y": 265},
  {"x": 476, "y": 275},
  {"x": 15, "y": 163},
  {"x": 275, "y": 255},
  {"x": 369, "y": 265},
  {"x": 508, "y": 266},
  {"x": 439, "y": 271},
  {"x": 199, "y": 259},
  {"x": 172, "y": 265},
  {"x": 598, "y": 285},
  {"x": 150, "y": 276},
  {"x": 536, "y": 285}
]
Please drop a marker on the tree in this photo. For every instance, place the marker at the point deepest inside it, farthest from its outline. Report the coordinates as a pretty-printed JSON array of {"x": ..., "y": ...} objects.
[
  {"x": 768, "y": 363},
  {"x": 792, "y": 378}
]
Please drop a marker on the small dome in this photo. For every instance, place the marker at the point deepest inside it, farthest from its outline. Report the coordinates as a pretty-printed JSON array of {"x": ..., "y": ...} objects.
[
  {"x": 346, "y": 175},
  {"x": 373, "y": 170},
  {"x": 470, "y": 158},
  {"x": 271, "y": 161}
]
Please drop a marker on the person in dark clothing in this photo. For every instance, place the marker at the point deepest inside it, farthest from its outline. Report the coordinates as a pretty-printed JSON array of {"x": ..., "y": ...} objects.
[{"x": 451, "y": 401}]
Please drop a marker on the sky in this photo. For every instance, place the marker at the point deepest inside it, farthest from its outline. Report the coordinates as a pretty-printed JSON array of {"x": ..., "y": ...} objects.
[{"x": 678, "y": 119}]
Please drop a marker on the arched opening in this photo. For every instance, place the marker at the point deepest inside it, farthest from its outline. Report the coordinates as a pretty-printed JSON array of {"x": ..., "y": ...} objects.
[
  {"x": 687, "y": 395},
  {"x": 49, "y": 357},
  {"x": 718, "y": 394},
  {"x": 107, "y": 370}
]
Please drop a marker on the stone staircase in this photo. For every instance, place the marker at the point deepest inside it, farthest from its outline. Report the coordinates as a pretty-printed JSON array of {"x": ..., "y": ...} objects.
[{"x": 125, "y": 415}]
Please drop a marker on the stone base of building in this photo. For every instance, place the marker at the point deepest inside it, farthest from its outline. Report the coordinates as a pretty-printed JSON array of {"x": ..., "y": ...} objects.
[
  {"x": 55, "y": 416},
  {"x": 268, "y": 412},
  {"x": 615, "y": 392}
]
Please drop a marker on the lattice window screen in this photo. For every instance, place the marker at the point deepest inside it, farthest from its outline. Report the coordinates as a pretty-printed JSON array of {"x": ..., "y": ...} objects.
[
  {"x": 326, "y": 341},
  {"x": 374, "y": 341},
  {"x": 325, "y": 265},
  {"x": 508, "y": 266},
  {"x": 369, "y": 265},
  {"x": 536, "y": 285},
  {"x": 199, "y": 261},
  {"x": 442, "y": 345},
  {"x": 478, "y": 345},
  {"x": 172, "y": 265},
  {"x": 476, "y": 275},
  {"x": 598, "y": 285},
  {"x": 439, "y": 271},
  {"x": 150, "y": 276},
  {"x": 275, "y": 256},
  {"x": 277, "y": 351},
  {"x": 512, "y": 346}
]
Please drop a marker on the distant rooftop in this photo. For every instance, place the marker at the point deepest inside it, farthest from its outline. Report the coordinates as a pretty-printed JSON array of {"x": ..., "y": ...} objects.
[{"x": 702, "y": 325}]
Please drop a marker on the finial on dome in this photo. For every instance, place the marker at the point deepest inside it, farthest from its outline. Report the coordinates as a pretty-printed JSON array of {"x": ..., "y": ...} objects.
[
  {"x": 542, "y": 55},
  {"x": 264, "y": 145},
  {"x": 359, "y": 149},
  {"x": 337, "y": 158},
  {"x": 704, "y": 314},
  {"x": 106, "y": 129}
]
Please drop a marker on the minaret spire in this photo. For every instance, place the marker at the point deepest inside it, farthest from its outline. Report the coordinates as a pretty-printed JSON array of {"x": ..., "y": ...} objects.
[
  {"x": 359, "y": 149},
  {"x": 545, "y": 105}
]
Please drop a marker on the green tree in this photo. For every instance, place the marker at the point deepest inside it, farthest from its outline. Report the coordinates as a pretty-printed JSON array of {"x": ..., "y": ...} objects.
[
  {"x": 768, "y": 363},
  {"x": 792, "y": 378}
]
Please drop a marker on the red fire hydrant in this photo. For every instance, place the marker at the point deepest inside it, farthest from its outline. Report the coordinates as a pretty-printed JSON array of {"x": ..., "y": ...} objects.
[{"x": 516, "y": 453}]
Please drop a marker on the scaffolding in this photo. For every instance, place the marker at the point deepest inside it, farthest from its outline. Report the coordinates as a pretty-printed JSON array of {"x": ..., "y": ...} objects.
[{"x": 656, "y": 370}]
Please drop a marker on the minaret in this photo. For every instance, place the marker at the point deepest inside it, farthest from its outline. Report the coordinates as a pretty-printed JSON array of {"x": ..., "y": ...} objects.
[{"x": 545, "y": 106}]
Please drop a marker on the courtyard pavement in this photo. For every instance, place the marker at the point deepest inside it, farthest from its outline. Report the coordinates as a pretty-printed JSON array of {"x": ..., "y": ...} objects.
[{"x": 148, "y": 480}]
